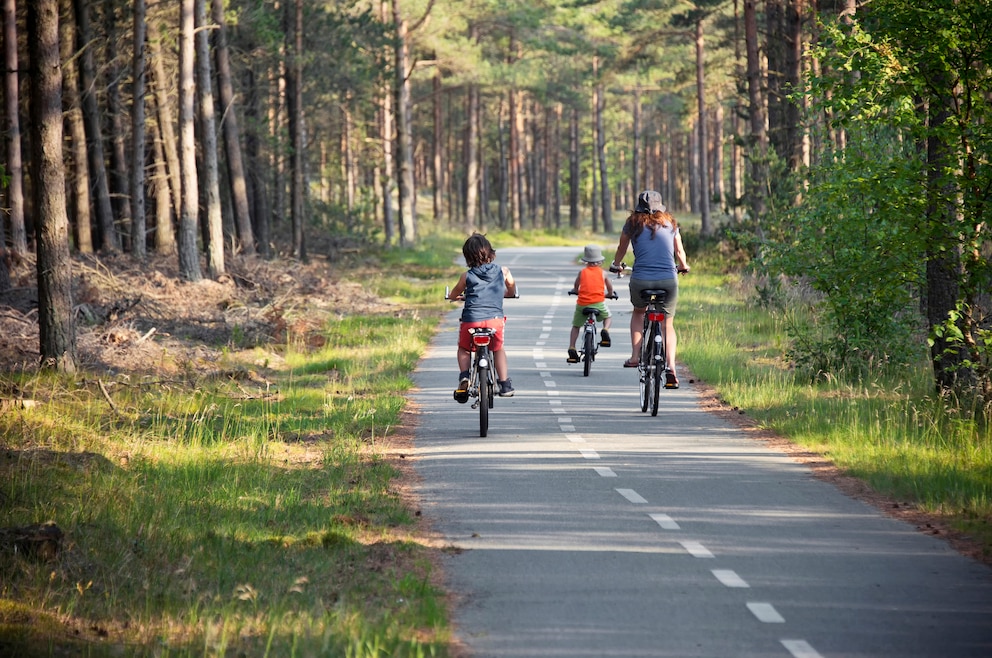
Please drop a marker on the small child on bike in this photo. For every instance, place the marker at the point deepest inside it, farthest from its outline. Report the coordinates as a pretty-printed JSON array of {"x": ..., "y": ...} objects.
[
  {"x": 592, "y": 286},
  {"x": 483, "y": 286}
]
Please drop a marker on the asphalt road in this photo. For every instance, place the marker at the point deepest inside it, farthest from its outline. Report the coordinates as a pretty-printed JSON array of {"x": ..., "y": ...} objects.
[{"x": 592, "y": 529}]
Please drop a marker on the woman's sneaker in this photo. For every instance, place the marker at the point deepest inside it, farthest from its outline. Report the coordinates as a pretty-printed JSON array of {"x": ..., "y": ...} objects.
[
  {"x": 461, "y": 393},
  {"x": 506, "y": 389}
]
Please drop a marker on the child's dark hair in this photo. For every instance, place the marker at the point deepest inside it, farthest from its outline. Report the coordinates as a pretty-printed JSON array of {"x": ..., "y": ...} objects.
[{"x": 478, "y": 251}]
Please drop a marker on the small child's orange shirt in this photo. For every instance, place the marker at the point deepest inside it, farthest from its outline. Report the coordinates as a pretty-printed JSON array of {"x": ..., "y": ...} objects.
[{"x": 592, "y": 290}]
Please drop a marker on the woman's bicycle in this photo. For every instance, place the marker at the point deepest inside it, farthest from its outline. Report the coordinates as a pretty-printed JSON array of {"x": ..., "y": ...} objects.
[
  {"x": 482, "y": 385},
  {"x": 653, "y": 365},
  {"x": 588, "y": 346}
]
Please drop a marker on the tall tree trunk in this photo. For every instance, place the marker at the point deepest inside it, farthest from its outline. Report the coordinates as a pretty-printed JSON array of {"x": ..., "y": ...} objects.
[
  {"x": 119, "y": 179},
  {"x": 599, "y": 109},
  {"x": 720, "y": 189},
  {"x": 163, "y": 115},
  {"x": 208, "y": 131},
  {"x": 350, "y": 168},
  {"x": 759, "y": 138},
  {"x": 471, "y": 157},
  {"x": 109, "y": 240},
  {"x": 255, "y": 179},
  {"x": 775, "y": 101},
  {"x": 514, "y": 161},
  {"x": 792, "y": 78},
  {"x": 404, "y": 132},
  {"x": 165, "y": 235},
  {"x": 386, "y": 123},
  {"x": 294, "y": 84},
  {"x": 57, "y": 338},
  {"x": 232, "y": 135},
  {"x": 137, "y": 187},
  {"x": 437, "y": 161},
  {"x": 189, "y": 210},
  {"x": 635, "y": 164},
  {"x": 503, "y": 169},
  {"x": 574, "y": 173},
  {"x": 81, "y": 212},
  {"x": 704, "y": 165},
  {"x": 12, "y": 133},
  {"x": 556, "y": 167}
]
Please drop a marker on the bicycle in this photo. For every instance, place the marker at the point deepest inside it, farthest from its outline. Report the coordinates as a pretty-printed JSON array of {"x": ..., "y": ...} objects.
[
  {"x": 653, "y": 366},
  {"x": 589, "y": 347},
  {"x": 482, "y": 377}
]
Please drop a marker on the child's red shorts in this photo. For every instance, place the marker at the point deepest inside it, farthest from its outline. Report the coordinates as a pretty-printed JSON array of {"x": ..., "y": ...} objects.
[{"x": 465, "y": 338}]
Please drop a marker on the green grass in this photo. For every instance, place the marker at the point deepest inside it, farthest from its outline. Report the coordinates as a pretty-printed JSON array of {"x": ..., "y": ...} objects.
[
  {"x": 887, "y": 430},
  {"x": 250, "y": 512}
]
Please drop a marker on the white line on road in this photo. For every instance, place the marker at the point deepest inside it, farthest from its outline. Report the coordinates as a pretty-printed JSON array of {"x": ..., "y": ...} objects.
[
  {"x": 665, "y": 521},
  {"x": 696, "y": 549},
  {"x": 575, "y": 438},
  {"x": 565, "y": 419},
  {"x": 632, "y": 496},
  {"x": 729, "y": 578},
  {"x": 605, "y": 471},
  {"x": 766, "y": 612},
  {"x": 589, "y": 454},
  {"x": 568, "y": 428},
  {"x": 801, "y": 649}
]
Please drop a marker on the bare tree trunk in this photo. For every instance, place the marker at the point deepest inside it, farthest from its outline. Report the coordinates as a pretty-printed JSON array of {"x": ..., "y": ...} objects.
[
  {"x": 165, "y": 235},
  {"x": 163, "y": 113},
  {"x": 189, "y": 210},
  {"x": 471, "y": 157},
  {"x": 438, "y": 164},
  {"x": 56, "y": 331},
  {"x": 294, "y": 84},
  {"x": 574, "y": 173},
  {"x": 208, "y": 132},
  {"x": 600, "y": 108},
  {"x": 109, "y": 240},
  {"x": 386, "y": 138},
  {"x": 137, "y": 187},
  {"x": 119, "y": 179},
  {"x": 260, "y": 212},
  {"x": 556, "y": 167},
  {"x": 514, "y": 161},
  {"x": 719, "y": 188},
  {"x": 350, "y": 168},
  {"x": 792, "y": 77},
  {"x": 12, "y": 135},
  {"x": 759, "y": 138},
  {"x": 704, "y": 165},
  {"x": 635, "y": 165},
  {"x": 232, "y": 136},
  {"x": 404, "y": 132},
  {"x": 80, "y": 181}
]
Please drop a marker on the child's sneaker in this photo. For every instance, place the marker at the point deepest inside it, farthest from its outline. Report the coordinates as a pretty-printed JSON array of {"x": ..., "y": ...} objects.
[
  {"x": 506, "y": 389},
  {"x": 573, "y": 356},
  {"x": 461, "y": 393},
  {"x": 604, "y": 338}
]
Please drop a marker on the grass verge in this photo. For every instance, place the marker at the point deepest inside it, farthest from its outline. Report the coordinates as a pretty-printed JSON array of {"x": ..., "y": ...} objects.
[
  {"x": 887, "y": 430},
  {"x": 250, "y": 509}
]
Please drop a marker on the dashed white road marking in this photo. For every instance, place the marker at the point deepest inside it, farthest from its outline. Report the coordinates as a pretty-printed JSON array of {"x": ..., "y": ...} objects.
[
  {"x": 565, "y": 419},
  {"x": 696, "y": 549},
  {"x": 605, "y": 471},
  {"x": 552, "y": 393},
  {"x": 632, "y": 496},
  {"x": 575, "y": 438},
  {"x": 546, "y": 374},
  {"x": 568, "y": 428},
  {"x": 729, "y": 578},
  {"x": 766, "y": 612},
  {"x": 550, "y": 383},
  {"x": 541, "y": 364},
  {"x": 665, "y": 521},
  {"x": 589, "y": 454},
  {"x": 801, "y": 649}
]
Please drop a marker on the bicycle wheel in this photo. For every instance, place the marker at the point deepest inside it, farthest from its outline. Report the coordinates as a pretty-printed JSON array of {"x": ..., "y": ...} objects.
[
  {"x": 485, "y": 400},
  {"x": 644, "y": 369},
  {"x": 589, "y": 347},
  {"x": 657, "y": 366}
]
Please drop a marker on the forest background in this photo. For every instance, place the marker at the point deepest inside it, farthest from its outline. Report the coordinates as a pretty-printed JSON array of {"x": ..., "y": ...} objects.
[{"x": 836, "y": 153}]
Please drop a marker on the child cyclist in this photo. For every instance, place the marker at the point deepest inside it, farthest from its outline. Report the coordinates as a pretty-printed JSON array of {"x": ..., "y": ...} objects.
[
  {"x": 592, "y": 286},
  {"x": 484, "y": 286}
]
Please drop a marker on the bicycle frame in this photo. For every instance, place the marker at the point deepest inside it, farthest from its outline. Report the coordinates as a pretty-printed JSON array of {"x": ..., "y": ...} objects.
[
  {"x": 587, "y": 344},
  {"x": 483, "y": 379}
]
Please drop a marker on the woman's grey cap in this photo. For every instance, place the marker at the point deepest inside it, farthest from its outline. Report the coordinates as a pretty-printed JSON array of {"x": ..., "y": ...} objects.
[
  {"x": 593, "y": 254},
  {"x": 649, "y": 201}
]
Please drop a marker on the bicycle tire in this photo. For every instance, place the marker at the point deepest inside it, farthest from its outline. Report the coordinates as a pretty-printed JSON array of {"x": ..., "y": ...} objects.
[
  {"x": 485, "y": 401},
  {"x": 657, "y": 368},
  {"x": 589, "y": 347},
  {"x": 644, "y": 370}
]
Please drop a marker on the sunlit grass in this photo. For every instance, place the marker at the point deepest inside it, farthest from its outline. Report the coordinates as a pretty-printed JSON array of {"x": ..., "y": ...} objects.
[
  {"x": 888, "y": 430},
  {"x": 248, "y": 512}
]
